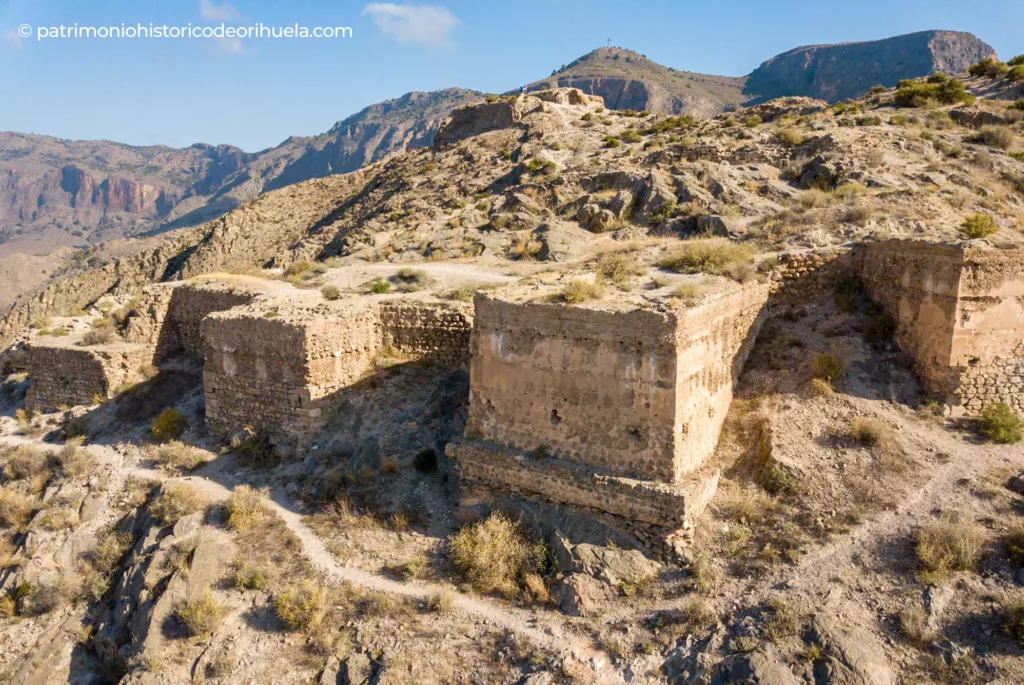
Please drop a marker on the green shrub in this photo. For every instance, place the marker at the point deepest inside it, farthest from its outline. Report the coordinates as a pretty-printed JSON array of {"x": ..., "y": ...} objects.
[
  {"x": 579, "y": 290},
  {"x": 1013, "y": 620},
  {"x": 631, "y": 136},
  {"x": 827, "y": 367},
  {"x": 493, "y": 555},
  {"x": 202, "y": 615},
  {"x": 978, "y": 225},
  {"x": 380, "y": 287},
  {"x": 938, "y": 77},
  {"x": 618, "y": 268},
  {"x": 718, "y": 256},
  {"x": 752, "y": 121},
  {"x": 302, "y": 606},
  {"x": 168, "y": 425},
  {"x": 869, "y": 121},
  {"x": 1016, "y": 74},
  {"x": 1016, "y": 61},
  {"x": 330, "y": 292},
  {"x": 915, "y": 94},
  {"x": 1000, "y": 423},
  {"x": 611, "y": 141},
  {"x": 1018, "y": 105},
  {"x": 988, "y": 67},
  {"x": 788, "y": 136}
]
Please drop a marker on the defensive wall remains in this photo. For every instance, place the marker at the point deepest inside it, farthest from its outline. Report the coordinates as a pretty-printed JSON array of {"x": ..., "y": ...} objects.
[{"x": 611, "y": 411}]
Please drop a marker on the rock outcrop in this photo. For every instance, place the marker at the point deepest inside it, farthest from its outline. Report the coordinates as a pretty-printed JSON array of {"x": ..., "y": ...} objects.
[{"x": 848, "y": 70}]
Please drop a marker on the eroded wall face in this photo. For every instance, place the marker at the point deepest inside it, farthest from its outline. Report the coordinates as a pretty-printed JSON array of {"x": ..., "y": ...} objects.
[
  {"x": 713, "y": 343},
  {"x": 72, "y": 376},
  {"x": 918, "y": 286},
  {"x": 988, "y": 340},
  {"x": 595, "y": 388},
  {"x": 434, "y": 333}
]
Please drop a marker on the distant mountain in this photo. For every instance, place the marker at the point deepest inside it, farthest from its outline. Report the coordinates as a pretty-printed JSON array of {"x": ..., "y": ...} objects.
[
  {"x": 628, "y": 80},
  {"x": 848, "y": 70},
  {"x": 58, "y": 193}
]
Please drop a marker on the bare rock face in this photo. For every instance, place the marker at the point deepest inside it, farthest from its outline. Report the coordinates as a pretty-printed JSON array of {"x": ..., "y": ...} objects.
[
  {"x": 854, "y": 656},
  {"x": 847, "y": 70}
]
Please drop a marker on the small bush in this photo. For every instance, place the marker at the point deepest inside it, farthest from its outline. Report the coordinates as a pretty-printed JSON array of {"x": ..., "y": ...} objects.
[
  {"x": 302, "y": 606},
  {"x": 98, "y": 336},
  {"x": 988, "y": 67},
  {"x": 579, "y": 290},
  {"x": 254, "y": 447},
  {"x": 618, "y": 268},
  {"x": 249, "y": 577},
  {"x": 631, "y": 136},
  {"x": 945, "y": 547},
  {"x": 168, "y": 425},
  {"x": 176, "y": 501},
  {"x": 493, "y": 555},
  {"x": 411, "y": 280},
  {"x": 913, "y": 623},
  {"x": 178, "y": 456},
  {"x": 1000, "y": 423},
  {"x": 914, "y": 94},
  {"x": 15, "y": 509},
  {"x": 442, "y": 601},
  {"x": 827, "y": 367},
  {"x": 330, "y": 292},
  {"x": 108, "y": 553},
  {"x": 611, "y": 141},
  {"x": 712, "y": 255},
  {"x": 380, "y": 287},
  {"x": 1016, "y": 74},
  {"x": 1000, "y": 137},
  {"x": 871, "y": 432},
  {"x": 245, "y": 507},
  {"x": 1013, "y": 620},
  {"x": 26, "y": 461},
  {"x": 425, "y": 461},
  {"x": 978, "y": 225},
  {"x": 869, "y": 121},
  {"x": 202, "y": 615},
  {"x": 788, "y": 136},
  {"x": 752, "y": 121},
  {"x": 412, "y": 568}
]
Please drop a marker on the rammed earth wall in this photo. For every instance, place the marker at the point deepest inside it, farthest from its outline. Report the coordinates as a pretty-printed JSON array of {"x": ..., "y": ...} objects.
[{"x": 68, "y": 376}]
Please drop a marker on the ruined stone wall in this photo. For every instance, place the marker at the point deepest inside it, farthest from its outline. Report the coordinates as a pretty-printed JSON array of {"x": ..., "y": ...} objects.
[
  {"x": 988, "y": 339},
  {"x": 169, "y": 317},
  {"x": 435, "y": 333},
  {"x": 712, "y": 342},
  {"x": 71, "y": 376},
  {"x": 593, "y": 387},
  {"x": 802, "y": 276},
  {"x": 918, "y": 285}
]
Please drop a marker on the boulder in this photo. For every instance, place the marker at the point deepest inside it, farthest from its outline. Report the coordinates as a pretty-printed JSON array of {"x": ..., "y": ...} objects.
[
  {"x": 613, "y": 565},
  {"x": 581, "y": 595},
  {"x": 473, "y": 120},
  {"x": 820, "y": 173},
  {"x": 208, "y": 561},
  {"x": 713, "y": 224},
  {"x": 357, "y": 670},
  {"x": 761, "y": 668},
  {"x": 560, "y": 241},
  {"x": 539, "y": 678},
  {"x": 853, "y": 656},
  {"x": 976, "y": 117},
  {"x": 658, "y": 192}
]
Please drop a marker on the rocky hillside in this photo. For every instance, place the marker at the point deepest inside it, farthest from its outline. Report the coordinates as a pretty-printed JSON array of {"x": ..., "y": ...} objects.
[
  {"x": 848, "y": 70},
  {"x": 56, "y": 193},
  {"x": 628, "y": 80}
]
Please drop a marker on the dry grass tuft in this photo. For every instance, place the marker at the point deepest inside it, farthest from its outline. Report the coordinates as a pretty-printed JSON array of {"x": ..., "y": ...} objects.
[
  {"x": 245, "y": 507},
  {"x": 618, "y": 268},
  {"x": 945, "y": 547},
  {"x": 717, "y": 256},
  {"x": 442, "y": 601},
  {"x": 202, "y": 615},
  {"x": 913, "y": 623},
  {"x": 176, "y": 501},
  {"x": 302, "y": 606},
  {"x": 15, "y": 509},
  {"x": 827, "y": 367},
  {"x": 493, "y": 555},
  {"x": 874, "y": 433},
  {"x": 579, "y": 290},
  {"x": 177, "y": 456}
]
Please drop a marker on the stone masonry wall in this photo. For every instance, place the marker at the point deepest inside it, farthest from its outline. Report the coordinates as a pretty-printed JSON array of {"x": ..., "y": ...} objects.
[
  {"x": 288, "y": 373},
  {"x": 712, "y": 342},
  {"x": 169, "y": 317},
  {"x": 592, "y": 387},
  {"x": 436, "y": 333},
  {"x": 988, "y": 340},
  {"x": 72, "y": 376},
  {"x": 917, "y": 284}
]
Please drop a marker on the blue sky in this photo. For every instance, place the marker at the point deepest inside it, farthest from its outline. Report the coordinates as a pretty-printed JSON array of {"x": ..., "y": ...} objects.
[{"x": 254, "y": 93}]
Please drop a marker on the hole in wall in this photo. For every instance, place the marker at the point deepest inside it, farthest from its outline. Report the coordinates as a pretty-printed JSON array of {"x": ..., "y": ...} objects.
[{"x": 555, "y": 418}]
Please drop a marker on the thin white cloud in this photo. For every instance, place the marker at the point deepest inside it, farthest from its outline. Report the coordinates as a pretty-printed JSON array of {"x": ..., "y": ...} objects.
[
  {"x": 12, "y": 40},
  {"x": 430, "y": 25},
  {"x": 222, "y": 12}
]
